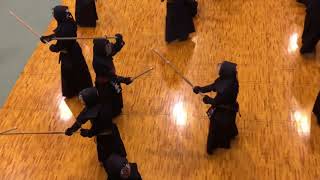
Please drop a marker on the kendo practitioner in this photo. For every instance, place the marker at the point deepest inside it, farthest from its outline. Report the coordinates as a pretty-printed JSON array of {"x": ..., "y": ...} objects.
[
  {"x": 107, "y": 134},
  {"x": 107, "y": 82},
  {"x": 316, "y": 108},
  {"x": 311, "y": 32},
  {"x": 118, "y": 168},
  {"x": 179, "y": 19},
  {"x": 224, "y": 107},
  {"x": 86, "y": 13},
  {"x": 75, "y": 74}
]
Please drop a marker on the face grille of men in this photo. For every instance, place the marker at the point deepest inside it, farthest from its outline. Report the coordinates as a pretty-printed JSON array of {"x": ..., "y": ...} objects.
[{"x": 125, "y": 171}]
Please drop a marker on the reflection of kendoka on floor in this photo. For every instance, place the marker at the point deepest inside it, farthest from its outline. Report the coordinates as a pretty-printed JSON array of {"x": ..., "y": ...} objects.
[
  {"x": 224, "y": 107},
  {"x": 86, "y": 13},
  {"x": 107, "y": 82},
  {"x": 108, "y": 136},
  {"x": 75, "y": 75}
]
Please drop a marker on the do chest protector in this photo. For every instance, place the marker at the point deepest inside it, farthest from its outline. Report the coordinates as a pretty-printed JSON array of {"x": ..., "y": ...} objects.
[{"x": 232, "y": 108}]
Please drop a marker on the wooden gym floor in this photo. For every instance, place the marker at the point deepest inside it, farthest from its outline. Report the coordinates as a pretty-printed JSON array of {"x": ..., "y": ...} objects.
[{"x": 164, "y": 126}]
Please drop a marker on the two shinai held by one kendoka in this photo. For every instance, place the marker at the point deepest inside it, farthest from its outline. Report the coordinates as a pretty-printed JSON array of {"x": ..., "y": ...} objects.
[{"x": 75, "y": 74}]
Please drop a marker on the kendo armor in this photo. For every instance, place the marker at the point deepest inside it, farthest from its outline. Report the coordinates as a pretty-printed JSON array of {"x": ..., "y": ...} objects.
[{"x": 115, "y": 83}]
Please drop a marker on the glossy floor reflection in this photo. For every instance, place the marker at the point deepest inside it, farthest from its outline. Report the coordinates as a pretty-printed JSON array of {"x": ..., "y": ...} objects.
[{"x": 164, "y": 125}]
